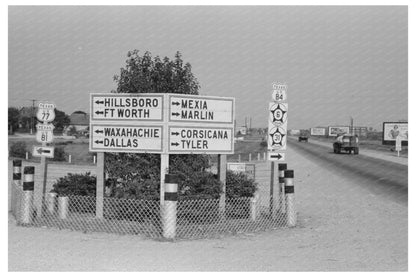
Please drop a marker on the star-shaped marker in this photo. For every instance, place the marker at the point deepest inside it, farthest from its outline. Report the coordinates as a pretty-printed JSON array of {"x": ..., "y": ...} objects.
[
  {"x": 278, "y": 114},
  {"x": 277, "y": 136}
]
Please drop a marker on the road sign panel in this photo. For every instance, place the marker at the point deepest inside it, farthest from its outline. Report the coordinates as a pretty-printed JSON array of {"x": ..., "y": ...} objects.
[
  {"x": 279, "y": 92},
  {"x": 201, "y": 109},
  {"x": 44, "y": 133},
  {"x": 276, "y": 156},
  {"x": 126, "y": 138},
  {"x": 200, "y": 140},
  {"x": 278, "y": 113},
  {"x": 127, "y": 107},
  {"x": 46, "y": 112},
  {"x": 43, "y": 151}
]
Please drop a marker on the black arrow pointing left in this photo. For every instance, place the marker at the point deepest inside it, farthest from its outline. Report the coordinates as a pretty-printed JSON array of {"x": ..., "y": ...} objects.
[
  {"x": 99, "y": 142},
  {"x": 99, "y": 131},
  {"x": 99, "y": 102}
]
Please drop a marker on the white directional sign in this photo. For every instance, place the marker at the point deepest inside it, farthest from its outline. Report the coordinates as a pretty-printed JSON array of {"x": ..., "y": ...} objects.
[
  {"x": 46, "y": 112},
  {"x": 277, "y": 132},
  {"x": 127, "y": 107},
  {"x": 276, "y": 156},
  {"x": 201, "y": 109},
  {"x": 44, "y": 133},
  {"x": 126, "y": 138},
  {"x": 199, "y": 140},
  {"x": 43, "y": 151}
]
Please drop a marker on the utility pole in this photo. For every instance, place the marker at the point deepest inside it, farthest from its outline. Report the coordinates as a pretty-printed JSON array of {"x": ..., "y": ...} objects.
[
  {"x": 352, "y": 125},
  {"x": 33, "y": 115}
]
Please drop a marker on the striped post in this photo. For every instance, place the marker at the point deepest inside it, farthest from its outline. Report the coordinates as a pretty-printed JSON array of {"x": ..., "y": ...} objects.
[
  {"x": 290, "y": 198},
  {"x": 171, "y": 199},
  {"x": 16, "y": 184},
  {"x": 281, "y": 198},
  {"x": 28, "y": 187}
]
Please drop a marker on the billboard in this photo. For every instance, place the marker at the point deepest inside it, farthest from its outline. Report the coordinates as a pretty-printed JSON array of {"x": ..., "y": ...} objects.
[
  {"x": 333, "y": 131},
  {"x": 392, "y": 130},
  {"x": 318, "y": 131}
]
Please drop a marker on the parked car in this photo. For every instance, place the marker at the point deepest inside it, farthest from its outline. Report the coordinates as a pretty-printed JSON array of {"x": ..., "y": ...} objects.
[{"x": 347, "y": 143}]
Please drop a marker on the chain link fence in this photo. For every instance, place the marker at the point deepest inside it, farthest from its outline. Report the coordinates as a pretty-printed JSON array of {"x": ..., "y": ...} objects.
[{"x": 199, "y": 218}]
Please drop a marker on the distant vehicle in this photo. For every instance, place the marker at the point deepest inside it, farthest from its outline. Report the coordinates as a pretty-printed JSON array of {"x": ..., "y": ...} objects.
[
  {"x": 348, "y": 143},
  {"x": 303, "y": 136}
]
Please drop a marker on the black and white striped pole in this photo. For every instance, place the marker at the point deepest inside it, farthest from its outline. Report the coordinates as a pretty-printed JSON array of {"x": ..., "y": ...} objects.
[
  {"x": 281, "y": 175},
  {"x": 170, "y": 206},
  {"x": 290, "y": 198},
  {"x": 16, "y": 184},
  {"x": 28, "y": 188}
]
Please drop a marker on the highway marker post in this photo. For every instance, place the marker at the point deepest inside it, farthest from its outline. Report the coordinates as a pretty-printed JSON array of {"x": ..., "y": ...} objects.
[
  {"x": 63, "y": 205},
  {"x": 16, "y": 183},
  {"x": 290, "y": 198},
  {"x": 28, "y": 188},
  {"x": 281, "y": 175},
  {"x": 170, "y": 206}
]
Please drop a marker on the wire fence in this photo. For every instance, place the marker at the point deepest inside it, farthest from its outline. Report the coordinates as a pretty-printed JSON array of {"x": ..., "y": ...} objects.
[{"x": 199, "y": 218}]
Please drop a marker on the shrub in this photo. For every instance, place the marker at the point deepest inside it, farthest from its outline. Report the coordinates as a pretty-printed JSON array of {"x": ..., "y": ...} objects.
[
  {"x": 18, "y": 150},
  {"x": 59, "y": 154},
  {"x": 263, "y": 143},
  {"x": 75, "y": 184},
  {"x": 239, "y": 185}
]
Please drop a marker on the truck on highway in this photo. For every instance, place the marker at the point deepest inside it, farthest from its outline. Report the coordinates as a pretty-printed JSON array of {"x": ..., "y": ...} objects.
[
  {"x": 303, "y": 135},
  {"x": 347, "y": 143}
]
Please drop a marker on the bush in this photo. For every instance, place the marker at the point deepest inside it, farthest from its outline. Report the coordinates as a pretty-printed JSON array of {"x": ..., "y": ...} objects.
[
  {"x": 239, "y": 185},
  {"x": 59, "y": 154},
  {"x": 18, "y": 150},
  {"x": 76, "y": 184},
  {"x": 263, "y": 143}
]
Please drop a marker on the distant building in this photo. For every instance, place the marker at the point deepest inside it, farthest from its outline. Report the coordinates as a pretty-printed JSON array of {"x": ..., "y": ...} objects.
[{"x": 241, "y": 131}]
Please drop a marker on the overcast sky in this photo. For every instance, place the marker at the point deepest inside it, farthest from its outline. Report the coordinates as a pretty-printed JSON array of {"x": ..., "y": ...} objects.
[{"x": 337, "y": 61}]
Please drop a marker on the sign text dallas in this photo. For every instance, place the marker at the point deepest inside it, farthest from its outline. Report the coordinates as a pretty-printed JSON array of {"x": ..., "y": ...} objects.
[{"x": 161, "y": 123}]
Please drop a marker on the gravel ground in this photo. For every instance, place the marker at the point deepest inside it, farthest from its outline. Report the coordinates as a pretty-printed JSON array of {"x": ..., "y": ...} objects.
[{"x": 341, "y": 227}]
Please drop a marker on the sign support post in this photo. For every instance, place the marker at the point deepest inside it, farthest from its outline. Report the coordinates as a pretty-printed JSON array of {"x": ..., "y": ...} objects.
[
  {"x": 99, "y": 210},
  {"x": 222, "y": 171}
]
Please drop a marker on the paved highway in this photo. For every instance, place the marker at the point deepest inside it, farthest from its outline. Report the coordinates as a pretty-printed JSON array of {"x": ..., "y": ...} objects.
[{"x": 379, "y": 176}]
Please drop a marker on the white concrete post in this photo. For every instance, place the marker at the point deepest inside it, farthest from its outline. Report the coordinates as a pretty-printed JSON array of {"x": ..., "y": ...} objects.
[
  {"x": 63, "y": 202},
  {"x": 51, "y": 200},
  {"x": 69, "y": 158},
  {"x": 249, "y": 157},
  {"x": 254, "y": 206},
  {"x": 258, "y": 156},
  {"x": 28, "y": 187},
  {"x": 170, "y": 206},
  {"x": 290, "y": 198}
]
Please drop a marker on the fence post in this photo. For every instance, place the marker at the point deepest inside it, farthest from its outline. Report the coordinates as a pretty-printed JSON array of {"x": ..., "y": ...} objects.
[
  {"x": 239, "y": 158},
  {"x": 69, "y": 158},
  {"x": 249, "y": 157},
  {"x": 253, "y": 206},
  {"x": 28, "y": 187},
  {"x": 170, "y": 206},
  {"x": 27, "y": 155},
  {"x": 264, "y": 156},
  {"x": 281, "y": 204},
  {"x": 16, "y": 183},
  {"x": 290, "y": 198},
  {"x": 94, "y": 159},
  {"x": 63, "y": 202},
  {"x": 51, "y": 202},
  {"x": 258, "y": 156}
]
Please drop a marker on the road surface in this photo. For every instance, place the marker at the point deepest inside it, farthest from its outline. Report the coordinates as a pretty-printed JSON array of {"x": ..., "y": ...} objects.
[{"x": 381, "y": 177}]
